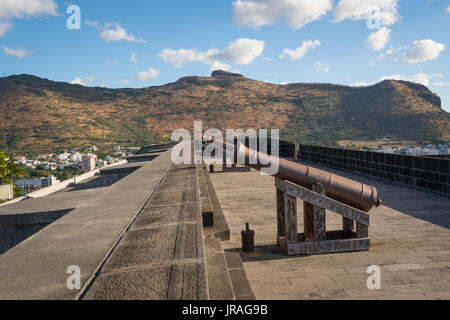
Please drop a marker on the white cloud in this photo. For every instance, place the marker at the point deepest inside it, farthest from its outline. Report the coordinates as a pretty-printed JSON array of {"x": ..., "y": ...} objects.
[
  {"x": 257, "y": 13},
  {"x": 378, "y": 40},
  {"x": 300, "y": 51},
  {"x": 423, "y": 50},
  {"x": 241, "y": 51},
  {"x": 114, "y": 32},
  {"x": 125, "y": 82},
  {"x": 111, "y": 63},
  {"x": 16, "y": 52},
  {"x": 11, "y": 9},
  {"x": 81, "y": 81},
  {"x": 217, "y": 65},
  {"x": 133, "y": 58},
  {"x": 94, "y": 24},
  {"x": 267, "y": 59},
  {"x": 321, "y": 66},
  {"x": 438, "y": 84},
  {"x": 383, "y": 11},
  {"x": 359, "y": 84},
  {"x": 181, "y": 56},
  {"x": 389, "y": 54},
  {"x": 5, "y": 26},
  {"x": 147, "y": 74},
  {"x": 448, "y": 9},
  {"x": 421, "y": 78}
]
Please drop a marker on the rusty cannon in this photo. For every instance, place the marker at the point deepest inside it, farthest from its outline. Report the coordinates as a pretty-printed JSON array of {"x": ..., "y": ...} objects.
[
  {"x": 350, "y": 192},
  {"x": 320, "y": 190}
]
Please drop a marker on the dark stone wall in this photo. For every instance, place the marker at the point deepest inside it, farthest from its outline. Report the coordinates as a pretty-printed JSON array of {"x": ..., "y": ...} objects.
[
  {"x": 424, "y": 172},
  {"x": 286, "y": 148}
]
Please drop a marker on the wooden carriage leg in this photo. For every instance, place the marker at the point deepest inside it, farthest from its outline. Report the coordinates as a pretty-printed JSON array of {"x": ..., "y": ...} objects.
[
  {"x": 280, "y": 213},
  {"x": 290, "y": 218},
  {"x": 314, "y": 219},
  {"x": 348, "y": 225},
  {"x": 319, "y": 223},
  {"x": 320, "y": 232},
  {"x": 362, "y": 231},
  {"x": 308, "y": 210}
]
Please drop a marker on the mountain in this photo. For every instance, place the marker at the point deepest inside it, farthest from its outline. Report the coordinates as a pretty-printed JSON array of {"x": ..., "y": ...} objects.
[{"x": 41, "y": 115}]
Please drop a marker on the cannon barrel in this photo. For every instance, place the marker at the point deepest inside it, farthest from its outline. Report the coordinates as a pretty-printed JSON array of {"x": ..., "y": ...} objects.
[{"x": 350, "y": 192}]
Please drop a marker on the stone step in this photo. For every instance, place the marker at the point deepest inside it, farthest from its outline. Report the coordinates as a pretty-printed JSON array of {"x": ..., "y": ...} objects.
[
  {"x": 226, "y": 275},
  {"x": 241, "y": 286},
  {"x": 220, "y": 227},
  {"x": 219, "y": 282}
]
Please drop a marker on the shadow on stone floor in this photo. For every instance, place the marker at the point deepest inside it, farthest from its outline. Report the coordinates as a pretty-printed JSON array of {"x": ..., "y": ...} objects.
[
  {"x": 418, "y": 203},
  {"x": 423, "y": 205},
  {"x": 263, "y": 253}
]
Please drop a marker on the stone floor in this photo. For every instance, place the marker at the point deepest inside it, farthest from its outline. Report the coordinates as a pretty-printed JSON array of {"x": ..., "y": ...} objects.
[
  {"x": 161, "y": 256},
  {"x": 410, "y": 242}
]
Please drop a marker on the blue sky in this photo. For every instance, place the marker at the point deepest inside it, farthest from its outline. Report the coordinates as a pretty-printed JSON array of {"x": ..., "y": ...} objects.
[{"x": 354, "y": 42}]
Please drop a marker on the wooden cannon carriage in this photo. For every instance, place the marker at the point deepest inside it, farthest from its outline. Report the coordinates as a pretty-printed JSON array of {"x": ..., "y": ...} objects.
[
  {"x": 315, "y": 238},
  {"x": 320, "y": 191}
]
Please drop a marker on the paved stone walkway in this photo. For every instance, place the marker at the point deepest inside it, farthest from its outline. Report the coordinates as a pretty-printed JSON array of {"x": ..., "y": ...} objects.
[
  {"x": 410, "y": 241},
  {"x": 162, "y": 255}
]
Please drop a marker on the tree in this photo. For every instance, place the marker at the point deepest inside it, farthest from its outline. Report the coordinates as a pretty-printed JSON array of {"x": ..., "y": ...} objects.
[{"x": 9, "y": 169}]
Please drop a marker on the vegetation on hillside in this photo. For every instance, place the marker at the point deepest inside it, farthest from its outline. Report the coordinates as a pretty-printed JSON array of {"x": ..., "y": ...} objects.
[
  {"x": 42, "y": 115},
  {"x": 68, "y": 172}
]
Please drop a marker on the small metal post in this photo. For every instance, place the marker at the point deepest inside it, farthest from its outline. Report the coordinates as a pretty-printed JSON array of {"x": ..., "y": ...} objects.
[{"x": 248, "y": 239}]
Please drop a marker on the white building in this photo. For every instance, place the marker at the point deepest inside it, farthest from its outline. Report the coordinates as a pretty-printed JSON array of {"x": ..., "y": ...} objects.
[
  {"x": 45, "y": 155},
  {"x": 37, "y": 182},
  {"x": 64, "y": 156},
  {"x": 76, "y": 157},
  {"x": 20, "y": 159}
]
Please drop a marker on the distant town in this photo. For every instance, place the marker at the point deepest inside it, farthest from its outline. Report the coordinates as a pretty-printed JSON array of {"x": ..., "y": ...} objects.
[
  {"x": 47, "y": 169},
  {"x": 387, "y": 145}
]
